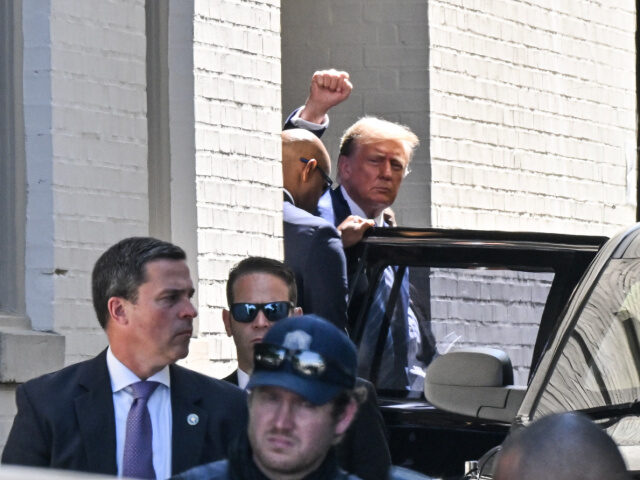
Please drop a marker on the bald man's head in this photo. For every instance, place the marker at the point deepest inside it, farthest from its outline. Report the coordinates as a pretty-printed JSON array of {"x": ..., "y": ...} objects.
[
  {"x": 565, "y": 446},
  {"x": 305, "y": 162}
]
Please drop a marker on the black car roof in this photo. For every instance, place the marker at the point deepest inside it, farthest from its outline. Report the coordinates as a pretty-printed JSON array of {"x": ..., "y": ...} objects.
[
  {"x": 441, "y": 247},
  {"x": 486, "y": 238}
]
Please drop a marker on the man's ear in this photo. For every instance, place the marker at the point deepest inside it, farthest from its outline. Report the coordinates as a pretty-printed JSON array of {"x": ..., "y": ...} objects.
[
  {"x": 344, "y": 167},
  {"x": 308, "y": 169},
  {"x": 226, "y": 319},
  {"x": 297, "y": 312},
  {"x": 347, "y": 417},
  {"x": 117, "y": 307}
]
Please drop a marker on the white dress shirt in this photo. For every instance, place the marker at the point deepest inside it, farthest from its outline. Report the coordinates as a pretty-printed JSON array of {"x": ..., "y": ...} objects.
[
  {"x": 289, "y": 196},
  {"x": 243, "y": 379},
  {"x": 356, "y": 210},
  {"x": 306, "y": 124},
  {"x": 159, "y": 406}
]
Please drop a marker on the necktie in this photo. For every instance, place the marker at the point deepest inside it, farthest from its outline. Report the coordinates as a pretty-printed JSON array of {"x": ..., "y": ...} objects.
[
  {"x": 391, "y": 372},
  {"x": 138, "y": 449}
]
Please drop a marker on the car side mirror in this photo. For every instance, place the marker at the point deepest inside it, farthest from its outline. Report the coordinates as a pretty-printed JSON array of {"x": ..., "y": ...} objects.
[{"x": 477, "y": 382}]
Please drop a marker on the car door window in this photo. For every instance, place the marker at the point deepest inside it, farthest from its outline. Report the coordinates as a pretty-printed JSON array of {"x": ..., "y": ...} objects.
[
  {"x": 438, "y": 309},
  {"x": 598, "y": 367}
]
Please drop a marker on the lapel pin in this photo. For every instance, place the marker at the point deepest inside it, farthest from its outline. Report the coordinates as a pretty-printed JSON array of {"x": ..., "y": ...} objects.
[{"x": 193, "y": 419}]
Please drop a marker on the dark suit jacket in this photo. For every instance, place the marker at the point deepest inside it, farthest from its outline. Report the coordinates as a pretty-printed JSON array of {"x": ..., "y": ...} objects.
[
  {"x": 364, "y": 450},
  {"x": 289, "y": 125},
  {"x": 334, "y": 208},
  {"x": 313, "y": 250},
  {"x": 66, "y": 419}
]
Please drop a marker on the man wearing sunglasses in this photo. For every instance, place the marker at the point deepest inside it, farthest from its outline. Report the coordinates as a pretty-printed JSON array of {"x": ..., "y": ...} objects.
[
  {"x": 261, "y": 292},
  {"x": 302, "y": 399},
  {"x": 312, "y": 246}
]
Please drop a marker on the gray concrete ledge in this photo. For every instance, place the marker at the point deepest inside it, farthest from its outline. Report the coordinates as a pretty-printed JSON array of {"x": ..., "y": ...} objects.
[{"x": 26, "y": 353}]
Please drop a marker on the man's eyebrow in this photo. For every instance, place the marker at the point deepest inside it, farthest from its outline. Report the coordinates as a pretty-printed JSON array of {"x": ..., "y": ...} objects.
[{"x": 189, "y": 291}]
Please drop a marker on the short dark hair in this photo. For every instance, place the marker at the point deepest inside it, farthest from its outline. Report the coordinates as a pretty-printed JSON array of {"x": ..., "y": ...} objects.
[
  {"x": 339, "y": 403},
  {"x": 262, "y": 265},
  {"x": 121, "y": 270}
]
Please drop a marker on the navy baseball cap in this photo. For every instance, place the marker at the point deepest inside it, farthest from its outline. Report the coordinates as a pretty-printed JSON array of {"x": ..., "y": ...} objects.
[{"x": 306, "y": 355}]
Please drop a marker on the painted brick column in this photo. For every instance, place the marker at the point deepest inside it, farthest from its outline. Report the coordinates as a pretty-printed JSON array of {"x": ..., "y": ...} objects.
[{"x": 236, "y": 49}]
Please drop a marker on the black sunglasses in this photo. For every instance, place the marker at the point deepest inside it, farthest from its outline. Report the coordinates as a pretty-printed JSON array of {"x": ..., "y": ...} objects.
[
  {"x": 327, "y": 179},
  {"x": 247, "y": 312},
  {"x": 306, "y": 363}
]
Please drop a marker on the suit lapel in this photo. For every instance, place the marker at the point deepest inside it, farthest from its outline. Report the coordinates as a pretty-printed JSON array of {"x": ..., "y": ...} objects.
[
  {"x": 341, "y": 208},
  {"x": 187, "y": 437},
  {"x": 96, "y": 418}
]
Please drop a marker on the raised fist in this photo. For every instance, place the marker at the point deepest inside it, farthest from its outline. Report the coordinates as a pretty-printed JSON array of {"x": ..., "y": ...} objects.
[{"x": 328, "y": 89}]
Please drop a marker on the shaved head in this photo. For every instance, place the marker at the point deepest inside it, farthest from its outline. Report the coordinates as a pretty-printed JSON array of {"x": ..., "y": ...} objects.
[
  {"x": 299, "y": 142},
  {"x": 565, "y": 446},
  {"x": 300, "y": 177}
]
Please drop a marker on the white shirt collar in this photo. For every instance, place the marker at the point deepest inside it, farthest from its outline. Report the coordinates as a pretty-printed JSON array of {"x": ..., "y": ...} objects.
[
  {"x": 243, "y": 379},
  {"x": 122, "y": 377},
  {"x": 289, "y": 196},
  {"x": 356, "y": 210}
]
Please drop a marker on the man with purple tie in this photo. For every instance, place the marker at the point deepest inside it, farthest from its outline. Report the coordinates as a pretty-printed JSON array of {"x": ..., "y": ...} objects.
[{"x": 130, "y": 411}]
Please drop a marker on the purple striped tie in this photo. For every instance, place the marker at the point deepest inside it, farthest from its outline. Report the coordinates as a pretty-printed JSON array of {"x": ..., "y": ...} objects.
[{"x": 138, "y": 449}]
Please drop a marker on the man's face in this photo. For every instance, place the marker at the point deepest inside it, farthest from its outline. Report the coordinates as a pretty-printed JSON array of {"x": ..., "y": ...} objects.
[
  {"x": 372, "y": 174},
  {"x": 253, "y": 288},
  {"x": 289, "y": 435},
  {"x": 160, "y": 322}
]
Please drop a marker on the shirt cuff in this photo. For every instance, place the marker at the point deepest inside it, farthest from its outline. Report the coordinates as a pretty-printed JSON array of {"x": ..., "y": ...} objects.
[{"x": 307, "y": 125}]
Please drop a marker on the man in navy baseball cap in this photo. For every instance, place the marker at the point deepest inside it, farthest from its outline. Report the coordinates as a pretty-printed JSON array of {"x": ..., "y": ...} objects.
[
  {"x": 308, "y": 356},
  {"x": 302, "y": 400}
]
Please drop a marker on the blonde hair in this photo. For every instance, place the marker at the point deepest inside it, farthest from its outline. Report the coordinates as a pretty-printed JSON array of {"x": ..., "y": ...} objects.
[{"x": 374, "y": 129}]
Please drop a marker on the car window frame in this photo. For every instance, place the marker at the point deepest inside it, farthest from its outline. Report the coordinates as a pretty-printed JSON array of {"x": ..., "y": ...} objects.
[{"x": 375, "y": 255}]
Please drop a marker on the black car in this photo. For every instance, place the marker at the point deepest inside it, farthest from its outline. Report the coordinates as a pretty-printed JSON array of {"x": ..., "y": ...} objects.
[
  {"x": 421, "y": 293},
  {"x": 590, "y": 363}
]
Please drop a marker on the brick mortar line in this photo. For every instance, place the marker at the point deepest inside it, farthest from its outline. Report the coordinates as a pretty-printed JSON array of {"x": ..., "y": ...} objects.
[
  {"x": 515, "y": 150},
  {"x": 508, "y": 126},
  {"x": 216, "y": 75},
  {"x": 602, "y": 222},
  {"x": 90, "y": 21},
  {"x": 583, "y": 101},
  {"x": 519, "y": 130},
  {"x": 537, "y": 173},
  {"x": 477, "y": 187},
  {"x": 215, "y": 47},
  {"x": 518, "y": 66},
  {"x": 585, "y": 21}
]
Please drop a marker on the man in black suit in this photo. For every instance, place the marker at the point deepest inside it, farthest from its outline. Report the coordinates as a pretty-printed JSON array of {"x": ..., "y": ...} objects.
[
  {"x": 262, "y": 291},
  {"x": 374, "y": 158},
  {"x": 312, "y": 246},
  {"x": 77, "y": 418}
]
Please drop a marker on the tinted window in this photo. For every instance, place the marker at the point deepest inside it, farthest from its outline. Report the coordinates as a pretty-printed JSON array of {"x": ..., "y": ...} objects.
[
  {"x": 451, "y": 308},
  {"x": 598, "y": 365}
]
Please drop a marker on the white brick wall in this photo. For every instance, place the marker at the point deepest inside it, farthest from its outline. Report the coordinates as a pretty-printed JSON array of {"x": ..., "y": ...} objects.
[
  {"x": 533, "y": 115},
  {"x": 238, "y": 170},
  {"x": 526, "y": 111},
  {"x": 383, "y": 45},
  {"x": 85, "y": 116}
]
